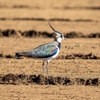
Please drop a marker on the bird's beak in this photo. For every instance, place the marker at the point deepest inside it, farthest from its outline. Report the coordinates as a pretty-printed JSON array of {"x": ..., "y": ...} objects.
[{"x": 65, "y": 38}]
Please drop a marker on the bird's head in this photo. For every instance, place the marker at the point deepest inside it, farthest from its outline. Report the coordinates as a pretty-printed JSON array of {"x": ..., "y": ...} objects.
[{"x": 57, "y": 35}]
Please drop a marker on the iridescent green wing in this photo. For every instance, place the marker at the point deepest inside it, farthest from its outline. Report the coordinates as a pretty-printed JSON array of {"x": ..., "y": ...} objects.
[{"x": 44, "y": 51}]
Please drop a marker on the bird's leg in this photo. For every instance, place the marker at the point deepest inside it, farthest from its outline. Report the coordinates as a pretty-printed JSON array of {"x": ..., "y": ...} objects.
[
  {"x": 43, "y": 67},
  {"x": 47, "y": 67}
]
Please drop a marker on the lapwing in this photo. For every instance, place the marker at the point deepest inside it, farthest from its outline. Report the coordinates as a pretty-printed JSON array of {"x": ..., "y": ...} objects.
[{"x": 45, "y": 52}]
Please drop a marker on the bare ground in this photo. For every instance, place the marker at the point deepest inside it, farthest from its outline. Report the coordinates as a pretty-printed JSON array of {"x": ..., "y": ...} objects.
[
  {"x": 49, "y": 92},
  {"x": 74, "y": 74},
  {"x": 71, "y": 78}
]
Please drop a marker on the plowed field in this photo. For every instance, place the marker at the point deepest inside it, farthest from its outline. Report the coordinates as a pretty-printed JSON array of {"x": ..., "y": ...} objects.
[{"x": 74, "y": 74}]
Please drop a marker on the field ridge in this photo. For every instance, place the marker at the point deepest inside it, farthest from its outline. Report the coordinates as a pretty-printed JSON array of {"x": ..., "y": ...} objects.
[
  {"x": 50, "y": 80},
  {"x": 35, "y": 33}
]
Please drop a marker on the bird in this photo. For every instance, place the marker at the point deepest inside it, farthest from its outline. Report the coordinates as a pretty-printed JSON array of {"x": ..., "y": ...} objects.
[{"x": 45, "y": 52}]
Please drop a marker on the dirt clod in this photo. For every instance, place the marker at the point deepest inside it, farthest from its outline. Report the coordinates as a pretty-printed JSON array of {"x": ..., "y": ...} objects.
[
  {"x": 43, "y": 80},
  {"x": 10, "y": 79},
  {"x": 35, "y": 33}
]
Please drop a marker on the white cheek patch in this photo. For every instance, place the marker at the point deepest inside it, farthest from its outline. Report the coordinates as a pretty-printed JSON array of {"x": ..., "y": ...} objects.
[{"x": 59, "y": 39}]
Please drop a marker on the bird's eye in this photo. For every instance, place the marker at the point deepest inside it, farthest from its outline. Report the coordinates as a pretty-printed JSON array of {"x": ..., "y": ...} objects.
[{"x": 61, "y": 36}]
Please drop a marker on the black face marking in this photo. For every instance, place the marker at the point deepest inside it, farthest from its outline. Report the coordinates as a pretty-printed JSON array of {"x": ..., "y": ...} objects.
[
  {"x": 61, "y": 36},
  {"x": 59, "y": 45}
]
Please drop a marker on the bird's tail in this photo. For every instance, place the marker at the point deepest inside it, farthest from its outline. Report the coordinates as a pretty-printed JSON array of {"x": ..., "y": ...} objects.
[{"x": 19, "y": 54}]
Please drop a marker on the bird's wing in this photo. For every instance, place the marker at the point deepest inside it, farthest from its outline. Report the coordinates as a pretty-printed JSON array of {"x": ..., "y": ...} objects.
[{"x": 44, "y": 51}]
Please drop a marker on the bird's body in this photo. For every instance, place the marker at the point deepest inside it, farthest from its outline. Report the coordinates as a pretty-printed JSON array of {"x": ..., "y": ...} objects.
[{"x": 45, "y": 52}]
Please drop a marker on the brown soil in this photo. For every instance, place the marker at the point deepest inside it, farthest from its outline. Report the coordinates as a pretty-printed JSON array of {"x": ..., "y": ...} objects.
[
  {"x": 76, "y": 67},
  {"x": 34, "y": 33},
  {"x": 50, "y": 80},
  {"x": 74, "y": 74}
]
